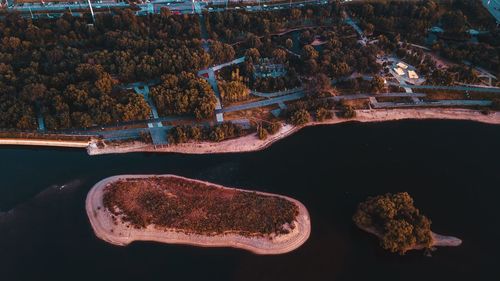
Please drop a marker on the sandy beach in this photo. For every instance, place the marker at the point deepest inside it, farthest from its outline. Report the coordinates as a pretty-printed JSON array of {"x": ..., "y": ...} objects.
[
  {"x": 42, "y": 142},
  {"x": 119, "y": 234},
  {"x": 253, "y": 143},
  {"x": 438, "y": 240}
]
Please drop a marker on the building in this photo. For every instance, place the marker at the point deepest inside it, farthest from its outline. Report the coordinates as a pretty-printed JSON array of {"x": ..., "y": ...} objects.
[
  {"x": 402, "y": 65},
  {"x": 412, "y": 74},
  {"x": 399, "y": 71}
]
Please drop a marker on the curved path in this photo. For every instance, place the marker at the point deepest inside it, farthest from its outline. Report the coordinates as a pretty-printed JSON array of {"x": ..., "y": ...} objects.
[{"x": 119, "y": 234}]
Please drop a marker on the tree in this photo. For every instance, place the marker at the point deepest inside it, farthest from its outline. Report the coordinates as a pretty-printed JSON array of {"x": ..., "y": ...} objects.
[
  {"x": 395, "y": 220},
  {"x": 234, "y": 90},
  {"x": 253, "y": 41},
  {"x": 309, "y": 52},
  {"x": 34, "y": 92},
  {"x": 299, "y": 117},
  {"x": 184, "y": 94},
  {"x": 279, "y": 55},
  {"x": 323, "y": 114},
  {"x": 347, "y": 111},
  {"x": 221, "y": 52},
  {"x": 262, "y": 132},
  {"x": 454, "y": 21},
  {"x": 377, "y": 83},
  {"x": 340, "y": 69},
  {"x": 318, "y": 86},
  {"x": 105, "y": 84},
  {"x": 252, "y": 55},
  {"x": 81, "y": 119},
  {"x": 295, "y": 14},
  {"x": 177, "y": 134}
]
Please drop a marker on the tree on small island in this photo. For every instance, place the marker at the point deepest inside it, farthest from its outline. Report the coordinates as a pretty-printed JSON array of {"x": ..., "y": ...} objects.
[{"x": 394, "y": 219}]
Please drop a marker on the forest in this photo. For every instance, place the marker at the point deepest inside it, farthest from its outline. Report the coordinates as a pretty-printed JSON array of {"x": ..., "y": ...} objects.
[
  {"x": 69, "y": 72},
  {"x": 400, "y": 225},
  {"x": 72, "y": 73},
  {"x": 411, "y": 21}
]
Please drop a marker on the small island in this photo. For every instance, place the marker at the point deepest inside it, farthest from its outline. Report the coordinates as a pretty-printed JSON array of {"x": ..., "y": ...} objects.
[
  {"x": 177, "y": 210},
  {"x": 398, "y": 224}
]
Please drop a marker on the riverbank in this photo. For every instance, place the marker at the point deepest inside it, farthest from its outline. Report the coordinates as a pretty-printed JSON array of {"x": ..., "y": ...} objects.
[
  {"x": 438, "y": 240},
  {"x": 253, "y": 143},
  {"x": 117, "y": 232},
  {"x": 44, "y": 142}
]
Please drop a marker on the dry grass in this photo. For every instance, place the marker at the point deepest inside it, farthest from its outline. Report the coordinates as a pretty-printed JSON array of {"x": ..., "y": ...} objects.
[
  {"x": 357, "y": 104},
  {"x": 255, "y": 113},
  {"x": 194, "y": 207}
]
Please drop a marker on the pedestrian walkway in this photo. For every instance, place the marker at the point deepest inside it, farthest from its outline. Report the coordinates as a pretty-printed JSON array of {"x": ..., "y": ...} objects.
[
  {"x": 451, "y": 88},
  {"x": 358, "y": 30},
  {"x": 204, "y": 34},
  {"x": 440, "y": 103},
  {"x": 159, "y": 135},
  {"x": 154, "y": 112},
  {"x": 156, "y": 130},
  {"x": 276, "y": 94},
  {"x": 262, "y": 103},
  {"x": 212, "y": 80},
  {"x": 493, "y": 6},
  {"x": 219, "y": 116},
  {"x": 41, "y": 123}
]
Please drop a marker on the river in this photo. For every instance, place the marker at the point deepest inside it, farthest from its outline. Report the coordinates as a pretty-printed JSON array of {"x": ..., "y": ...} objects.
[{"x": 451, "y": 168}]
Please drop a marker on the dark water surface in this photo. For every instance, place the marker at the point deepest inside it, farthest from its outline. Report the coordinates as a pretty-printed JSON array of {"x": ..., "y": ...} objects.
[{"x": 452, "y": 169}]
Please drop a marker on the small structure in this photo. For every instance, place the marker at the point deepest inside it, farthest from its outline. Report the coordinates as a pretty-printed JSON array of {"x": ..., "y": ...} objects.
[
  {"x": 268, "y": 68},
  {"x": 412, "y": 74},
  {"x": 402, "y": 65},
  {"x": 402, "y": 71},
  {"x": 436, "y": 29},
  {"x": 399, "y": 71}
]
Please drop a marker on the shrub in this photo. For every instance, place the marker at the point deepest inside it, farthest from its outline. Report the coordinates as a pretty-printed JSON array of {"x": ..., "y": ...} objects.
[{"x": 299, "y": 117}]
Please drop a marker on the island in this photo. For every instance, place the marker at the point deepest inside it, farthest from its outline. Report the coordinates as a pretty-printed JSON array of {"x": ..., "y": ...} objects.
[
  {"x": 398, "y": 224},
  {"x": 177, "y": 210}
]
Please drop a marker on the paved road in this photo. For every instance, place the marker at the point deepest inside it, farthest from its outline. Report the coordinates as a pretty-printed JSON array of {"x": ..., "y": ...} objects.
[
  {"x": 354, "y": 25},
  {"x": 184, "y": 7},
  {"x": 493, "y": 6},
  {"x": 39, "y": 117},
  {"x": 433, "y": 103},
  {"x": 450, "y": 88},
  {"x": 382, "y": 95},
  {"x": 158, "y": 134},
  {"x": 219, "y": 116},
  {"x": 204, "y": 33},
  {"x": 59, "y": 7},
  {"x": 41, "y": 123},
  {"x": 123, "y": 134},
  {"x": 220, "y": 66},
  {"x": 144, "y": 91},
  {"x": 140, "y": 84},
  {"x": 276, "y": 94},
  {"x": 277, "y": 100},
  {"x": 212, "y": 80}
]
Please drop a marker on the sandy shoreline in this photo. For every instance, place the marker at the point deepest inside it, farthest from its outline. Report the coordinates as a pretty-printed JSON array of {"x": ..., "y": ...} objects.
[
  {"x": 104, "y": 228},
  {"x": 438, "y": 240},
  {"x": 253, "y": 143},
  {"x": 40, "y": 142}
]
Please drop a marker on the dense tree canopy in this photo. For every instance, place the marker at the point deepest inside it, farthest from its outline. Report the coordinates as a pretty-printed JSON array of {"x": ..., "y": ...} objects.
[
  {"x": 184, "y": 94},
  {"x": 393, "y": 217},
  {"x": 68, "y": 71}
]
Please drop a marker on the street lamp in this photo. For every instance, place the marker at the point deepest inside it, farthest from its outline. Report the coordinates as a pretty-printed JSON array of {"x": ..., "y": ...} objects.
[{"x": 91, "y": 11}]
